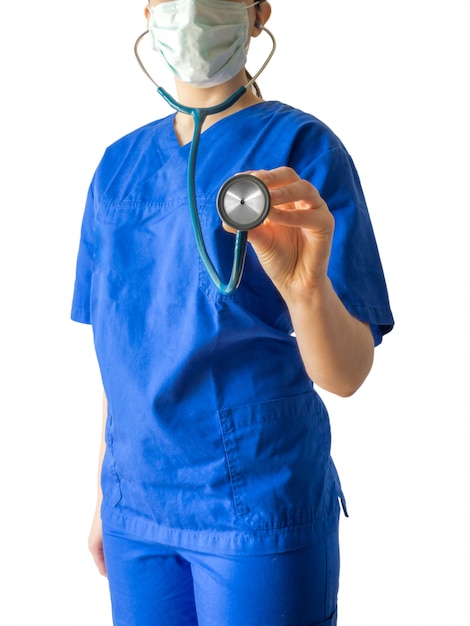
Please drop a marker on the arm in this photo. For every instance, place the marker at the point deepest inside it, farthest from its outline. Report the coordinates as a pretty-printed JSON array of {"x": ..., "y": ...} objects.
[
  {"x": 337, "y": 349},
  {"x": 95, "y": 538},
  {"x": 293, "y": 246}
]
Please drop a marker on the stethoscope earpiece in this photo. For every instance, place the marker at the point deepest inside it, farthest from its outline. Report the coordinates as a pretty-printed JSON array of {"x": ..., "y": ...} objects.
[{"x": 243, "y": 202}]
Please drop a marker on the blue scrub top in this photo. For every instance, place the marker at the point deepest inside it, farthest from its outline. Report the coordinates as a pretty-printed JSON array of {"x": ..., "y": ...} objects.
[{"x": 216, "y": 439}]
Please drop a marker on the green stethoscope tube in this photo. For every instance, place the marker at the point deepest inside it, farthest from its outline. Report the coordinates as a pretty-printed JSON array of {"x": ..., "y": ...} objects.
[{"x": 199, "y": 115}]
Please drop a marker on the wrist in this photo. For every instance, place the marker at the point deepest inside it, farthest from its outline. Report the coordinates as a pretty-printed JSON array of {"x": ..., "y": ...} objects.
[{"x": 301, "y": 296}]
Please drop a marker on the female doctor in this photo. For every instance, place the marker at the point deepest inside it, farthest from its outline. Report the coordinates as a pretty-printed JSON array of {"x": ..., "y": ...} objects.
[{"x": 218, "y": 502}]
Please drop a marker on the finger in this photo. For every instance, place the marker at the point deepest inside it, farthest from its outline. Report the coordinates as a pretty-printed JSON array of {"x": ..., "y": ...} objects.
[
  {"x": 276, "y": 177},
  {"x": 229, "y": 229},
  {"x": 100, "y": 563},
  {"x": 312, "y": 219},
  {"x": 97, "y": 552},
  {"x": 300, "y": 193},
  {"x": 295, "y": 213}
]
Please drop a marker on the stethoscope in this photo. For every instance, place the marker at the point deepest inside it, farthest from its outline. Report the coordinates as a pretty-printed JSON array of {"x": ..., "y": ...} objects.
[{"x": 243, "y": 201}]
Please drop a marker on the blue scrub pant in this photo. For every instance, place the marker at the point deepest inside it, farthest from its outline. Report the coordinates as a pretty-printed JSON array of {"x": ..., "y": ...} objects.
[{"x": 154, "y": 585}]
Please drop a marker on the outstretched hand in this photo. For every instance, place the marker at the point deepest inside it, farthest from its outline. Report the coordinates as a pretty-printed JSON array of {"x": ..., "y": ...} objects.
[{"x": 294, "y": 243}]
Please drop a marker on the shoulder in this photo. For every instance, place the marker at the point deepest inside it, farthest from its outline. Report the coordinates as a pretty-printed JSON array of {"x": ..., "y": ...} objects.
[
  {"x": 313, "y": 149},
  {"x": 302, "y": 126},
  {"x": 139, "y": 138},
  {"x": 130, "y": 158}
]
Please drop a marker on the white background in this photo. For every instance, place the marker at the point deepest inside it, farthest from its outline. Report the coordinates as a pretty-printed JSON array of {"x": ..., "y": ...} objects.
[{"x": 392, "y": 81}]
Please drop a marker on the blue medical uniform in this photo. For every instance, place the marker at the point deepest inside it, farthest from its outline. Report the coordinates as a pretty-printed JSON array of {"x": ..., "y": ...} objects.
[{"x": 216, "y": 439}]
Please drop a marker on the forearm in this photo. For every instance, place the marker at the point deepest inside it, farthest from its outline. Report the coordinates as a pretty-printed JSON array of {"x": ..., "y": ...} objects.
[
  {"x": 95, "y": 538},
  {"x": 293, "y": 246},
  {"x": 337, "y": 349},
  {"x": 102, "y": 450}
]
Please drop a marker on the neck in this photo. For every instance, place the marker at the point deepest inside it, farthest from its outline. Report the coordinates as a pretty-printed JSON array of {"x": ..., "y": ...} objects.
[
  {"x": 202, "y": 97},
  {"x": 198, "y": 97}
]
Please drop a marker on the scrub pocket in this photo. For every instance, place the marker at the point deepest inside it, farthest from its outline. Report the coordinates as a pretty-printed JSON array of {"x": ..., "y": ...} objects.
[{"x": 278, "y": 455}]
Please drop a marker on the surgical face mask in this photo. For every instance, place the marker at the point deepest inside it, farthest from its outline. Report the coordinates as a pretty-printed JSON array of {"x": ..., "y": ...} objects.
[{"x": 204, "y": 42}]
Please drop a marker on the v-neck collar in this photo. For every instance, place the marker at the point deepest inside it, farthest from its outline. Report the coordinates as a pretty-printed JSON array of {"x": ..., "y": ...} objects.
[{"x": 168, "y": 140}]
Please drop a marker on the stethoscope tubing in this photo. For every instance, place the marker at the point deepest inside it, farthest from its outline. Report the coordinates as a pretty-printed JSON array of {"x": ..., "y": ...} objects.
[
  {"x": 199, "y": 115},
  {"x": 241, "y": 238}
]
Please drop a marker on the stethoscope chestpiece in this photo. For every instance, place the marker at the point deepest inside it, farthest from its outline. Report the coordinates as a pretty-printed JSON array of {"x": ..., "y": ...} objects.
[{"x": 243, "y": 202}]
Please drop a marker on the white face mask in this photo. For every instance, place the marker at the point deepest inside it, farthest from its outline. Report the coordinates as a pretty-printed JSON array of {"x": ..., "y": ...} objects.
[{"x": 204, "y": 42}]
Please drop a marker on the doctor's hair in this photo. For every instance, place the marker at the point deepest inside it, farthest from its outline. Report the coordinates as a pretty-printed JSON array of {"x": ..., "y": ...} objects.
[{"x": 255, "y": 88}]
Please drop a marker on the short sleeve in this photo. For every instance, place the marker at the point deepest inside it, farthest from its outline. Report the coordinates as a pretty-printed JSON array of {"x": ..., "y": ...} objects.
[
  {"x": 355, "y": 267},
  {"x": 85, "y": 265}
]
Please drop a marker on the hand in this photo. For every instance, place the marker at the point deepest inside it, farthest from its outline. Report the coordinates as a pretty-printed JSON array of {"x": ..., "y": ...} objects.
[
  {"x": 95, "y": 542},
  {"x": 293, "y": 246},
  {"x": 294, "y": 243}
]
